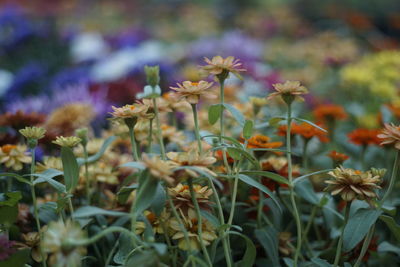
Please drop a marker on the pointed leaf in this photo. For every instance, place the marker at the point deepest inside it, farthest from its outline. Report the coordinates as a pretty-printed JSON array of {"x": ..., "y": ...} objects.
[
  {"x": 214, "y": 113},
  {"x": 100, "y": 153},
  {"x": 71, "y": 168},
  {"x": 237, "y": 115},
  {"x": 248, "y": 129}
]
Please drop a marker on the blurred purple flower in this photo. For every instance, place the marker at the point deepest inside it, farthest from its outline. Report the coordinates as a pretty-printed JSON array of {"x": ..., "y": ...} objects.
[
  {"x": 129, "y": 38},
  {"x": 14, "y": 26},
  {"x": 6, "y": 247}
]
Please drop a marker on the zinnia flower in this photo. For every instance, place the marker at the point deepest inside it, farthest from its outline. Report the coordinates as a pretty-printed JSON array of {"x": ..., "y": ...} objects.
[
  {"x": 69, "y": 141},
  {"x": 305, "y": 130},
  {"x": 33, "y": 132},
  {"x": 289, "y": 91},
  {"x": 183, "y": 200},
  {"x": 158, "y": 223},
  {"x": 390, "y": 135},
  {"x": 192, "y": 91},
  {"x": 190, "y": 222},
  {"x": 353, "y": 184},
  {"x": 159, "y": 169},
  {"x": 193, "y": 158},
  {"x": 338, "y": 158},
  {"x": 14, "y": 156},
  {"x": 262, "y": 141},
  {"x": 130, "y": 112},
  {"x": 364, "y": 137},
  {"x": 221, "y": 67},
  {"x": 20, "y": 119},
  {"x": 329, "y": 112},
  {"x": 56, "y": 241}
]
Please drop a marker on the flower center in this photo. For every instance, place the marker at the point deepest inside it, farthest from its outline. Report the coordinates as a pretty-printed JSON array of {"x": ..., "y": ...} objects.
[{"x": 7, "y": 148}]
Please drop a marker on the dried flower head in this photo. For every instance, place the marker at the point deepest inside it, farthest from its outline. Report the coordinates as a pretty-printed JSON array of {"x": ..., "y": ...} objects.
[
  {"x": 158, "y": 223},
  {"x": 192, "y": 91},
  {"x": 20, "y": 119},
  {"x": 159, "y": 169},
  {"x": 364, "y": 137},
  {"x": 69, "y": 141},
  {"x": 182, "y": 199},
  {"x": 353, "y": 184},
  {"x": 289, "y": 91},
  {"x": 221, "y": 67},
  {"x": 57, "y": 241},
  {"x": 33, "y": 132},
  {"x": 190, "y": 222},
  {"x": 14, "y": 156},
  {"x": 390, "y": 135}
]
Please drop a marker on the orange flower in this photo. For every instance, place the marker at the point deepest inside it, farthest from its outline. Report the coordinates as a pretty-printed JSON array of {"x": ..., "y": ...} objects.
[
  {"x": 330, "y": 112},
  {"x": 305, "y": 130},
  {"x": 337, "y": 157},
  {"x": 220, "y": 156},
  {"x": 262, "y": 141},
  {"x": 364, "y": 137}
]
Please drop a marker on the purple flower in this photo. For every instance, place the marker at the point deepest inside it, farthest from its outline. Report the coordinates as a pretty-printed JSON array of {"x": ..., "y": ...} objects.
[{"x": 6, "y": 247}]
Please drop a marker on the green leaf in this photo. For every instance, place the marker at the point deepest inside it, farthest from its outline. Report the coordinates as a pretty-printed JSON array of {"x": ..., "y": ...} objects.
[
  {"x": 213, "y": 113},
  {"x": 320, "y": 262},
  {"x": 134, "y": 165},
  {"x": 298, "y": 179},
  {"x": 237, "y": 115},
  {"x": 159, "y": 201},
  {"x": 311, "y": 123},
  {"x": 124, "y": 193},
  {"x": 271, "y": 175},
  {"x": 145, "y": 195},
  {"x": 305, "y": 189},
  {"x": 100, "y": 153},
  {"x": 358, "y": 226},
  {"x": 18, "y": 259},
  {"x": 210, "y": 217},
  {"x": 233, "y": 140},
  {"x": 393, "y": 226},
  {"x": 248, "y": 129},
  {"x": 10, "y": 199},
  {"x": 89, "y": 211},
  {"x": 250, "y": 253},
  {"x": 47, "y": 176},
  {"x": 71, "y": 168},
  {"x": 246, "y": 154},
  {"x": 250, "y": 181},
  {"x": 268, "y": 238},
  {"x": 16, "y": 176},
  {"x": 387, "y": 247},
  {"x": 273, "y": 122},
  {"x": 233, "y": 153}
]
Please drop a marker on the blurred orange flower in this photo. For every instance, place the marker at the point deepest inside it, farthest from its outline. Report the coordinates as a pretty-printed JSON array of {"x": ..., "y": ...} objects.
[
  {"x": 262, "y": 141},
  {"x": 364, "y": 137},
  {"x": 330, "y": 112},
  {"x": 305, "y": 130}
]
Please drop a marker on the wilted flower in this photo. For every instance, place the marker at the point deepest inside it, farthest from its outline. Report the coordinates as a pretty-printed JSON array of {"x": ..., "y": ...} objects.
[
  {"x": 193, "y": 158},
  {"x": 190, "y": 222},
  {"x": 353, "y": 184},
  {"x": 159, "y": 169},
  {"x": 33, "y": 132},
  {"x": 183, "y": 200},
  {"x": 57, "y": 241},
  {"x": 158, "y": 223},
  {"x": 32, "y": 240},
  {"x": 390, "y": 135},
  {"x": 221, "y": 67},
  {"x": 285, "y": 247},
  {"x": 69, "y": 141},
  {"x": 364, "y": 137},
  {"x": 13, "y": 156},
  {"x": 192, "y": 91},
  {"x": 289, "y": 91}
]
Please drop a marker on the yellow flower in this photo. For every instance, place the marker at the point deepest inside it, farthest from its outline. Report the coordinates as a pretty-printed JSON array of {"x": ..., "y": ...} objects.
[
  {"x": 33, "y": 132},
  {"x": 190, "y": 222},
  {"x": 352, "y": 184},
  {"x": 69, "y": 141},
  {"x": 193, "y": 158},
  {"x": 192, "y": 91},
  {"x": 56, "y": 241},
  {"x": 103, "y": 173},
  {"x": 390, "y": 135},
  {"x": 159, "y": 169},
  {"x": 221, "y": 67},
  {"x": 182, "y": 198},
  {"x": 49, "y": 163},
  {"x": 289, "y": 91},
  {"x": 14, "y": 156}
]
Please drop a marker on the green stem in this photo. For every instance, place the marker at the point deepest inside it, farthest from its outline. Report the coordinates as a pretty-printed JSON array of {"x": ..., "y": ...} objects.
[
  {"x": 133, "y": 143},
  {"x": 150, "y": 137},
  {"x": 221, "y": 115},
  {"x": 392, "y": 178},
  {"x": 36, "y": 210},
  {"x": 310, "y": 222},
  {"x": 260, "y": 207},
  {"x": 233, "y": 201},
  {"x": 365, "y": 246},
  {"x": 305, "y": 159},
  {"x": 291, "y": 186},
  {"x": 110, "y": 255},
  {"x": 196, "y": 127},
  {"x": 340, "y": 243},
  {"x": 199, "y": 222},
  {"x": 71, "y": 208},
  {"x": 87, "y": 182},
  {"x": 159, "y": 133}
]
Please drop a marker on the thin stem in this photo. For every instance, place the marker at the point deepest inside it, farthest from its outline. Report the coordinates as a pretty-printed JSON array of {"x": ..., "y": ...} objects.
[
  {"x": 133, "y": 143},
  {"x": 221, "y": 115},
  {"x": 291, "y": 186},
  {"x": 340, "y": 243},
  {"x": 233, "y": 202},
  {"x": 365, "y": 245},
  {"x": 111, "y": 253},
  {"x": 36, "y": 210},
  {"x": 159, "y": 133},
  {"x": 150, "y": 137},
  {"x": 260, "y": 207},
  {"x": 87, "y": 182},
  {"x": 310, "y": 222},
  {"x": 196, "y": 127},
  {"x": 305, "y": 159},
  {"x": 199, "y": 222},
  {"x": 71, "y": 208},
  {"x": 392, "y": 178}
]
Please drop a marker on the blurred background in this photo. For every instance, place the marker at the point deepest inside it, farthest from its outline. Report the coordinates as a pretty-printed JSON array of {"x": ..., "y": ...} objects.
[{"x": 65, "y": 51}]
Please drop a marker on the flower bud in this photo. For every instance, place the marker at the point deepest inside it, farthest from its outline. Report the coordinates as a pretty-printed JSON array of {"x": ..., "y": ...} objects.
[
  {"x": 82, "y": 133},
  {"x": 152, "y": 75}
]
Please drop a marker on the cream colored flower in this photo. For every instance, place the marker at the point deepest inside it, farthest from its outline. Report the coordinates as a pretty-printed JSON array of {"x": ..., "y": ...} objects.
[
  {"x": 57, "y": 240},
  {"x": 103, "y": 173},
  {"x": 352, "y": 184},
  {"x": 159, "y": 169},
  {"x": 192, "y": 91},
  {"x": 182, "y": 198},
  {"x": 222, "y": 66},
  {"x": 289, "y": 91},
  {"x": 162, "y": 105},
  {"x": 49, "y": 163},
  {"x": 173, "y": 135},
  {"x": 175, "y": 105},
  {"x": 390, "y": 135},
  {"x": 69, "y": 141},
  {"x": 190, "y": 222},
  {"x": 14, "y": 156},
  {"x": 194, "y": 159},
  {"x": 130, "y": 111},
  {"x": 33, "y": 132}
]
